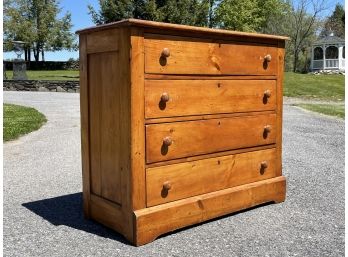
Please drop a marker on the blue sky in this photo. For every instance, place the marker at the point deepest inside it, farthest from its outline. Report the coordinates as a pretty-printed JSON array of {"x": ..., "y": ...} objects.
[{"x": 81, "y": 19}]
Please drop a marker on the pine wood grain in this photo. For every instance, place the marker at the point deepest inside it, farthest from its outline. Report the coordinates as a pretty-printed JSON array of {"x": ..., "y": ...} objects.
[
  {"x": 105, "y": 130},
  {"x": 213, "y": 125},
  {"x": 137, "y": 178},
  {"x": 203, "y": 176},
  {"x": 192, "y": 56},
  {"x": 279, "y": 110},
  {"x": 200, "y": 137},
  {"x": 84, "y": 110},
  {"x": 162, "y": 27},
  {"x": 205, "y": 117},
  {"x": 210, "y": 155},
  {"x": 219, "y": 96},
  {"x": 206, "y": 77},
  {"x": 154, "y": 221},
  {"x": 109, "y": 102},
  {"x": 94, "y": 135},
  {"x": 108, "y": 214}
]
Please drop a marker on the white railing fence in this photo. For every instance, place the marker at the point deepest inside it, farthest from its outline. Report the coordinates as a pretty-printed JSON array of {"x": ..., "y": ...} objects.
[{"x": 331, "y": 63}]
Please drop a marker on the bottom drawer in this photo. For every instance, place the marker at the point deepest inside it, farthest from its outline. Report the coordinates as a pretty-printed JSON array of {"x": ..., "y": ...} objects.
[{"x": 182, "y": 180}]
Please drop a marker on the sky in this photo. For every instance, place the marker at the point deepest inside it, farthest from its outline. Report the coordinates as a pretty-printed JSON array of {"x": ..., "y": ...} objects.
[{"x": 81, "y": 19}]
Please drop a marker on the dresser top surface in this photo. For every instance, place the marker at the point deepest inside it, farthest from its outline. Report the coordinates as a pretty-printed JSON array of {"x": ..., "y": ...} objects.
[{"x": 177, "y": 27}]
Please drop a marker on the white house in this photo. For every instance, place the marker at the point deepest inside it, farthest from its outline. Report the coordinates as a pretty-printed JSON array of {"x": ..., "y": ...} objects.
[{"x": 328, "y": 53}]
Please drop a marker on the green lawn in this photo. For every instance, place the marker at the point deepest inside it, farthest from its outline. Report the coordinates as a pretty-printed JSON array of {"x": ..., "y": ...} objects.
[
  {"x": 49, "y": 74},
  {"x": 326, "y": 87},
  {"x": 20, "y": 120},
  {"x": 328, "y": 109}
]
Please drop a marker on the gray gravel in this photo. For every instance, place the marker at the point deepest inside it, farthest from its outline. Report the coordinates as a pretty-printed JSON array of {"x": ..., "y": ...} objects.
[{"x": 42, "y": 195}]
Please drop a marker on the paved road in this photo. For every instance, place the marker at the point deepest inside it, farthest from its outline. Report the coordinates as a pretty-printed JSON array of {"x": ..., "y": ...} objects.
[{"x": 42, "y": 195}]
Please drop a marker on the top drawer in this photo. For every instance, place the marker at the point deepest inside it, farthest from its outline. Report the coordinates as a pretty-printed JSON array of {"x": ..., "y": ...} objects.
[{"x": 179, "y": 55}]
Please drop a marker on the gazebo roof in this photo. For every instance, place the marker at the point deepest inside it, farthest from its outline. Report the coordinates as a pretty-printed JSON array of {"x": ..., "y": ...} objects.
[{"x": 329, "y": 40}]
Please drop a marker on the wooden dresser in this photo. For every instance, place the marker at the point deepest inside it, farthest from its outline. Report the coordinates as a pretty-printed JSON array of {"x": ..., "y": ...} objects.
[{"x": 179, "y": 124}]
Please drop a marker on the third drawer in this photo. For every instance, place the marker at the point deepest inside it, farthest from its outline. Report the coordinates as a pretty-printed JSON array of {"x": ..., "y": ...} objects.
[
  {"x": 166, "y": 141},
  {"x": 167, "y": 98}
]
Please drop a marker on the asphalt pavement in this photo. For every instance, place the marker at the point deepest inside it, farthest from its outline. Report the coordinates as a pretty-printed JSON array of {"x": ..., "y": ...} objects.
[{"x": 43, "y": 201}]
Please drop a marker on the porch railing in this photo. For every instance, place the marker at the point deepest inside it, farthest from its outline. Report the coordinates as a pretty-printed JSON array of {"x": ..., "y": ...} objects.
[
  {"x": 318, "y": 64},
  {"x": 331, "y": 63}
]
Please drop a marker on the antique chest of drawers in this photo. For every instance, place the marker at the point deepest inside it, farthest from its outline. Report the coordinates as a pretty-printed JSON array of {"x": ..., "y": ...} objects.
[{"x": 179, "y": 124}]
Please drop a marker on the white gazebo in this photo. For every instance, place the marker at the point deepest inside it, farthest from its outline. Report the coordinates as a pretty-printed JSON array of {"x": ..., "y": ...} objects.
[{"x": 328, "y": 53}]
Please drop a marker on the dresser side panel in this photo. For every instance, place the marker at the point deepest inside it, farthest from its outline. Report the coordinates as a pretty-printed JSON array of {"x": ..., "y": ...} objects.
[{"x": 109, "y": 124}]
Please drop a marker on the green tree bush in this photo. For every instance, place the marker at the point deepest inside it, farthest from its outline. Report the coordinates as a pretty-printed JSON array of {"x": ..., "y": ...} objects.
[
  {"x": 335, "y": 23},
  {"x": 36, "y": 23}
]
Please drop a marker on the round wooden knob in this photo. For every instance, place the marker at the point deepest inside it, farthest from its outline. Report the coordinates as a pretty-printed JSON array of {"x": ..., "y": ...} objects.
[
  {"x": 267, "y": 93},
  {"x": 264, "y": 165},
  {"x": 267, "y": 128},
  {"x": 268, "y": 58},
  {"x": 167, "y": 141},
  {"x": 165, "y": 53},
  {"x": 165, "y": 97},
  {"x": 167, "y": 185}
]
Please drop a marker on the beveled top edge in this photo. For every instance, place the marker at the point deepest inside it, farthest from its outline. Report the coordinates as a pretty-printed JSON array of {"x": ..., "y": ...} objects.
[{"x": 164, "y": 26}]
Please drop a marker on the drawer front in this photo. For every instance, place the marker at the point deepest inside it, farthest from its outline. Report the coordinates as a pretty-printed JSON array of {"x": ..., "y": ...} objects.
[
  {"x": 178, "y": 181},
  {"x": 167, "y": 98},
  {"x": 182, "y": 139},
  {"x": 177, "y": 55}
]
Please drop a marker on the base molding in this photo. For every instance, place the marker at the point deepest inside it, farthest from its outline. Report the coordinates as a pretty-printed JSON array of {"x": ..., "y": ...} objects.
[
  {"x": 144, "y": 226},
  {"x": 152, "y": 222}
]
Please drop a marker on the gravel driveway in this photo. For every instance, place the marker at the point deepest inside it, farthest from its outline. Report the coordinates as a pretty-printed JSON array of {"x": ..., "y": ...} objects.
[{"x": 43, "y": 202}]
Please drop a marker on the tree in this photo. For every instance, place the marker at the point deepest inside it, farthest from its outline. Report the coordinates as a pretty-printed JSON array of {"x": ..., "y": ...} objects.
[
  {"x": 246, "y": 15},
  {"x": 335, "y": 23},
  {"x": 35, "y": 22},
  {"x": 189, "y": 12},
  {"x": 303, "y": 23},
  {"x": 300, "y": 22}
]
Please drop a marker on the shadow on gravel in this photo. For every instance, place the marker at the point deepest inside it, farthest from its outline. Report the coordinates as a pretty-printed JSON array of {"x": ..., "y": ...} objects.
[{"x": 67, "y": 210}]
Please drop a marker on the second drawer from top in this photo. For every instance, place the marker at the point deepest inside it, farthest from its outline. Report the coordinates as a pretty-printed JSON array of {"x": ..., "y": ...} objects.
[{"x": 170, "y": 98}]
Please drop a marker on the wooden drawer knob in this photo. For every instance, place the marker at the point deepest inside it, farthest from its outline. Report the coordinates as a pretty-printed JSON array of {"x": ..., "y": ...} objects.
[
  {"x": 264, "y": 165},
  {"x": 263, "y": 168},
  {"x": 167, "y": 186},
  {"x": 267, "y": 93},
  {"x": 268, "y": 58},
  {"x": 165, "y": 97},
  {"x": 165, "y": 53},
  {"x": 167, "y": 141},
  {"x": 267, "y": 129}
]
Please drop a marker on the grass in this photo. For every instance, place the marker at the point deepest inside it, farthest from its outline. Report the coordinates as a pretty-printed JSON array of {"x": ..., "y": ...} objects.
[
  {"x": 321, "y": 87},
  {"x": 20, "y": 120},
  {"x": 49, "y": 74},
  {"x": 328, "y": 109}
]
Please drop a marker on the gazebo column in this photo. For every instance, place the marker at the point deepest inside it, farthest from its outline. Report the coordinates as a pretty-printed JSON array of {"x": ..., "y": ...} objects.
[
  {"x": 324, "y": 53},
  {"x": 312, "y": 58},
  {"x": 339, "y": 56}
]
